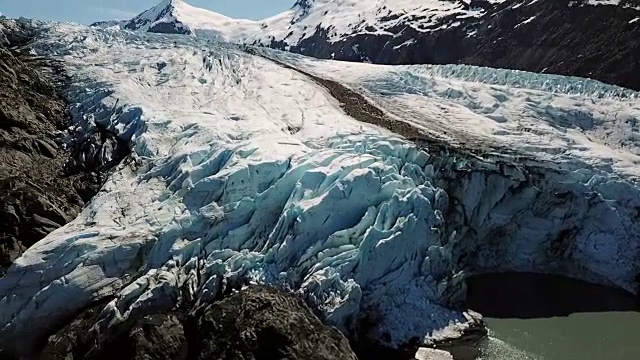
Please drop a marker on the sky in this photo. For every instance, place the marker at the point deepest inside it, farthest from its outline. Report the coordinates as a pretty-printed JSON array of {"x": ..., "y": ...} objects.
[{"x": 88, "y": 11}]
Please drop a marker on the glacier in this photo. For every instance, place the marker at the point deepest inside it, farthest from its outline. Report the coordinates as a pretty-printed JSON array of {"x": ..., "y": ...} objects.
[
  {"x": 246, "y": 171},
  {"x": 242, "y": 172},
  {"x": 541, "y": 170}
]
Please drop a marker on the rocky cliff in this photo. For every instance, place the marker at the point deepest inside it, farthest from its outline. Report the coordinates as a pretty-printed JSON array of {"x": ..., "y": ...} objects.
[
  {"x": 256, "y": 323},
  {"x": 39, "y": 191}
]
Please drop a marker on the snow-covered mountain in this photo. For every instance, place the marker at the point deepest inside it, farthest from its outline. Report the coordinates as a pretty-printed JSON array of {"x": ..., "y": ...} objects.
[
  {"x": 342, "y": 18},
  {"x": 370, "y": 190},
  {"x": 556, "y": 36}
]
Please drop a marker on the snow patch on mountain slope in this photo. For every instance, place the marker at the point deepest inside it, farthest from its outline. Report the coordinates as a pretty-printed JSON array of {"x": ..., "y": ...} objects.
[
  {"x": 350, "y": 17},
  {"x": 603, "y": 2},
  {"x": 632, "y": 4},
  {"x": 242, "y": 171}
]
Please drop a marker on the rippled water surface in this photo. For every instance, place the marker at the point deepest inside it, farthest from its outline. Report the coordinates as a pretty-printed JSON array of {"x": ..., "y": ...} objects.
[{"x": 541, "y": 317}]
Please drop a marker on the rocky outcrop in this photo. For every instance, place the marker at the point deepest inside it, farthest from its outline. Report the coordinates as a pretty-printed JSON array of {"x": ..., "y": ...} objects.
[
  {"x": 262, "y": 322},
  {"x": 256, "y": 323},
  {"x": 37, "y": 198},
  {"x": 45, "y": 176},
  {"x": 158, "y": 336},
  {"x": 562, "y": 37}
]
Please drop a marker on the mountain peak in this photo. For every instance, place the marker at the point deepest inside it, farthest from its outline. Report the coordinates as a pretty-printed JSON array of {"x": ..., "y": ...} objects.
[
  {"x": 178, "y": 17},
  {"x": 171, "y": 2},
  {"x": 161, "y": 18},
  {"x": 304, "y": 4}
]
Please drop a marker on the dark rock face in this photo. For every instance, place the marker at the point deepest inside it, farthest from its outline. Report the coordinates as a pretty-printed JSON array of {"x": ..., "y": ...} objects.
[
  {"x": 157, "y": 337},
  {"x": 36, "y": 199},
  {"x": 256, "y": 323},
  {"x": 262, "y": 323},
  {"x": 598, "y": 42},
  {"x": 169, "y": 28},
  {"x": 41, "y": 188},
  {"x": 71, "y": 341},
  {"x": 553, "y": 36}
]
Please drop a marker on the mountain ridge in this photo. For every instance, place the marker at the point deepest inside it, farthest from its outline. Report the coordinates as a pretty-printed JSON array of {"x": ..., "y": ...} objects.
[{"x": 564, "y": 37}]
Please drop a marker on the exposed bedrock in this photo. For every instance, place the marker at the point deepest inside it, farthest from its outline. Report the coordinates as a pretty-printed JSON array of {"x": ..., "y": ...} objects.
[
  {"x": 255, "y": 323},
  {"x": 48, "y": 171},
  {"x": 38, "y": 193}
]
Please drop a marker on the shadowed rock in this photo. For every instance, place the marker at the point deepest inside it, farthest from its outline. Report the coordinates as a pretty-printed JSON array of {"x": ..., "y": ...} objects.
[
  {"x": 41, "y": 188},
  {"x": 256, "y": 323}
]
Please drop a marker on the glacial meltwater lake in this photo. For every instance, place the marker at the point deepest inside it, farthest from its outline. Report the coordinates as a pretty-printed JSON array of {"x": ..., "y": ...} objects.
[{"x": 544, "y": 317}]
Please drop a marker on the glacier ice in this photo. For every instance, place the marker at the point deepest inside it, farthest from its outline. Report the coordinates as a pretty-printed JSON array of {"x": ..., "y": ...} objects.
[
  {"x": 243, "y": 171},
  {"x": 567, "y": 121}
]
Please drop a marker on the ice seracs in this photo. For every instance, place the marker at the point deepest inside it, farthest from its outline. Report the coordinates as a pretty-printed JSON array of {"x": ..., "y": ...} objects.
[
  {"x": 246, "y": 171},
  {"x": 565, "y": 145}
]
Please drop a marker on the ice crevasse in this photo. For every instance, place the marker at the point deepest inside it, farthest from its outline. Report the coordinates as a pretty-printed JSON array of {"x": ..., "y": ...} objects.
[{"x": 242, "y": 172}]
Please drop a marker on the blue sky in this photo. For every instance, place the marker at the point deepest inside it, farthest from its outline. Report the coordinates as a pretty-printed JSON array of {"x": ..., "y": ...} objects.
[{"x": 88, "y": 11}]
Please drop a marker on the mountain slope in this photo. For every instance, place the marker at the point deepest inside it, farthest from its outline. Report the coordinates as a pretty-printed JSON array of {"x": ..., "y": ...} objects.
[
  {"x": 564, "y": 37},
  {"x": 178, "y": 17}
]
